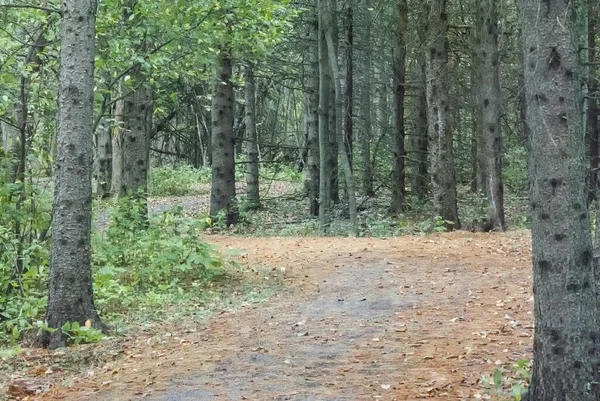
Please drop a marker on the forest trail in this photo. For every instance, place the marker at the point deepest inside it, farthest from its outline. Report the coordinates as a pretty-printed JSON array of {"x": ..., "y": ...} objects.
[{"x": 384, "y": 319}]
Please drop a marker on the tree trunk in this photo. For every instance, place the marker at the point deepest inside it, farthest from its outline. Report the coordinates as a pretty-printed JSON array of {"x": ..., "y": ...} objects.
[
  {"x": 367, "y": 133},
  {"x": 324, "y": 144},
  {"x": 339, "y": 102},
  {"x": 593, "y": 93},
  {"x": 419, "y": 140},
  {"x": 349, "y": 120},
  {"x": 135, "y": 144},
  {"x": 443, "y": 182},
  {"x": 566, "y": 340},
  {"x": 117, "y": 146},
  {"x": 252, "y": 191},
  {"x": 104, "y": 157},
  {"x": 398, "y": 185},
  {"x": 334, "y": 145},
  {"x": 222, "y": 196},
  {"x": 488, "y": 104},
  {"x": 312, "y": 115},
  {"x": 71, "y": 295}
]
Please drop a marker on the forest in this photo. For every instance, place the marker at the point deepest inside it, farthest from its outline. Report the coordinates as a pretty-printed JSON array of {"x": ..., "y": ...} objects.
[{"x": 179, "y": 168}]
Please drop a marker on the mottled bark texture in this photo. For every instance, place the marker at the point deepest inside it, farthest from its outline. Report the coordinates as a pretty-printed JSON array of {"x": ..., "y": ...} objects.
[
  {"x": 488, "y": 102},
  {"x": 567, "y": 326},
  {"x": 104, "y": 160},
  {"x": 324, "y": 136},
  {"x": 71, "y": 295},
  {"x": 312, "y": 114},
  {"x": 339, "y": 105},
  {"x": 398, "y": 174},
  {"x": 443, "y": 182},
  {"x": 222, "y": 196},
  {"x": 252, "y": 191},
  {"x": 593, "y": 91},
  {"x": 349, "y": 106},
  {"x": 420, "y": 179},
  {"x": 366, "y": 117}
]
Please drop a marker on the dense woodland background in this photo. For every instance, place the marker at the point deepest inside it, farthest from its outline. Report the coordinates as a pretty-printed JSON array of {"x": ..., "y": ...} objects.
[{"x": 298, "y": 117}]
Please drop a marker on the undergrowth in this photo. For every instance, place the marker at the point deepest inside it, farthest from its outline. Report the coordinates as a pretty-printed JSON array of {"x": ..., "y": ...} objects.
[{"x": 143, "y": 271}]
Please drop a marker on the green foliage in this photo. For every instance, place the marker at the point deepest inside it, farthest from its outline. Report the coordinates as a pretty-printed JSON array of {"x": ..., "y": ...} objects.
[
  {"x": 136, "y": 264},
  {"x": 133, "y": 259},
  {"x": 177, "y": 181},
  {"x": 512, "y": 383}
]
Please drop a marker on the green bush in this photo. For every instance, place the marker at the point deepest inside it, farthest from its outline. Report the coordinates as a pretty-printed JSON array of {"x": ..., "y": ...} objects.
[
  {"x": 177, "y": 181},
  {"x": 136, "y": 264}
]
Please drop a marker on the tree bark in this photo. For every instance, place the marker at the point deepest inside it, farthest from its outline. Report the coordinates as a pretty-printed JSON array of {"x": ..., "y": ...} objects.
[
  {"x": 136, "y": 124},
  {"x": 566, "y": 340},
  {"x": 339, "y": 102},
  {"x": 117, "y": 146},
  {"x": 222, "y": 196},
  {"x": 324, "y": 137},
  {"x": 419, "y": 140},
  {"x": 312, "y": 114},
  {"x": 367, "y": 132},
  {"x": 593, "y": 93},
  {"x": 488, "y": 104},
  {"x": 70, "y": 294},
  {"x": 334, "y": 145},
  {"x": 349, "y": 110},
  {"x": 104, "y": 158},
  {"x": 252, "y": 191},
  {"x": 398, "y": 174},
  {"x": 443, "y": 182}
]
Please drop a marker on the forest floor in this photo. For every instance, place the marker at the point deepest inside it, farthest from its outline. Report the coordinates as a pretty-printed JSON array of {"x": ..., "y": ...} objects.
[{"x": 408, "y": 318}]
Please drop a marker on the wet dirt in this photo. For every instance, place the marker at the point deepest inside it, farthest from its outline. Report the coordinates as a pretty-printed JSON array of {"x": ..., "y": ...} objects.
[{"x": 359, "y": 319}]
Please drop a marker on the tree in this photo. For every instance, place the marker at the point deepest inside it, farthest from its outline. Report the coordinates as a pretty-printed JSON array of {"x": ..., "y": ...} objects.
[
  {"x": 443, "y": 181},
  {"x": 312, "y": 112},
  {"x": 339, "y": 105},
  {"x": 252, "y": 192},
  {"x": 71, "y": 295},
  {"x": 222, "y": 196},
  {"x": 398, "y": 174},
  {"x": 488, "y": 103},
  {"x": 566, "y": 340},
  {"x": 325, "y": 168}
]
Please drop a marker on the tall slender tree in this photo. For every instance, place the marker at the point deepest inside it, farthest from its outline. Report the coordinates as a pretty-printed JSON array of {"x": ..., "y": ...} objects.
[
  {"x": 443, "y": 181},
  {"x": 488, "y": 102},
  {"x": 252, "y": 179},
  {"x": 398, "y": 174},
  {"x": 339, "y": 103},
  {"x": 312, "y": 111},
  {"x": 324, "y": 135},
  {"x": 565, "y": 282},
  {"x": 222, "y": 196},
  {"x": 71, "y": 296}
]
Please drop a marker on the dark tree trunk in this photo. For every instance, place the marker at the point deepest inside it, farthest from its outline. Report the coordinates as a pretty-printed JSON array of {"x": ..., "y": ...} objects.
[
  {"x": 443, "y": 182},
  {"x": 349, "y": 120},
  {"x": 71, "y": 295},
  {"x": 488, "y": 105},
  {"x": 324, "y": 136},
  {"x": 222, "y": 197},
  {"x": 419, "y": 140},
  {"x": 565, "y": 282},
  {"x": 334, "y": 145},
  {"x": 104, "y": 176},
  {"x": 366, "y": 111},
  {"x": 398, "y": 174},
  {"x": 252, "y": 192},
  {"x": 593, "y": 89},
  {"x": 312, "y": 115}
]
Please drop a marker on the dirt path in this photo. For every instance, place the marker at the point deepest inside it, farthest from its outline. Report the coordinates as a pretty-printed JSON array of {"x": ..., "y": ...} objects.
[{"x": 395, "y": 319}]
